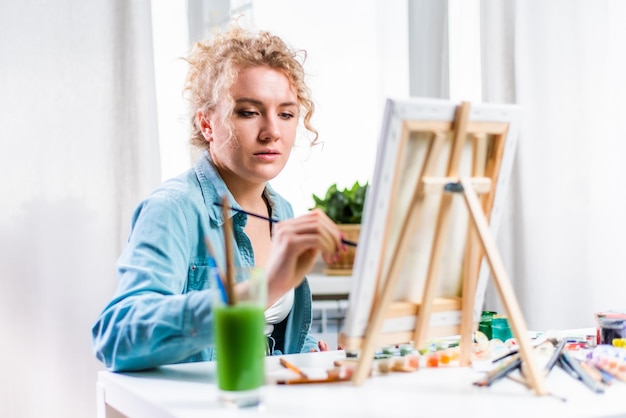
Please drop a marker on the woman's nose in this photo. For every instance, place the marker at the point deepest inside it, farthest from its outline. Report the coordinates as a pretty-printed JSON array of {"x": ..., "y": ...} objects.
[{"x": 270, "y": 131}]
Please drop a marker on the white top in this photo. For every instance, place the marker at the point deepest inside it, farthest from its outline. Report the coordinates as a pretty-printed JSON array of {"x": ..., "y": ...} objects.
[{"x": 280, "y": 309}]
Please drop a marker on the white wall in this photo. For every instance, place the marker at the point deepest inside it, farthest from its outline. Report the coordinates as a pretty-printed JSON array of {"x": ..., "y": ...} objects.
[{"x": 171, "y": 43}]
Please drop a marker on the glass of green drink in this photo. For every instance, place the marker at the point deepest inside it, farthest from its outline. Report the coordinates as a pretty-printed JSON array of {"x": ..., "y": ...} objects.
[{"x": 240, "y": 342}]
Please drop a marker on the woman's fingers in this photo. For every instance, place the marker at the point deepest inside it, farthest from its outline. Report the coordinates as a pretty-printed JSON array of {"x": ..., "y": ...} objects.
[
  {"x": 330, "y": 229},
  {"x": 321, "y": 346},
  {"x": 319, "y": 227},
  {"x": 296, "y": 245}
]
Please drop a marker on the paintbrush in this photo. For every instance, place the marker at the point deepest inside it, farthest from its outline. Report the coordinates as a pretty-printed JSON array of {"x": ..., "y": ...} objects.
[
  {"x": 309, "y": 381},
  {"x": 555, "y": 355},
  {"x": 265, "y": 218},
  {"x": 293, "y": 368},
  {"x": 219, "y": 279},
  {"x": 228, "y": 249},
  {"x": 501, "y": 371}
]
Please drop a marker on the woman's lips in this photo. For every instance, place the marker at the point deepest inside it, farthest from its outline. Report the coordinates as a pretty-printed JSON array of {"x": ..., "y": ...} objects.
[{"x": 267, "y": 155}]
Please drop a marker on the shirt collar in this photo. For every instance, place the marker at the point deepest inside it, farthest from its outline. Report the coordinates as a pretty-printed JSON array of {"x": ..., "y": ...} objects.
[{"x": 213, "y": 188}]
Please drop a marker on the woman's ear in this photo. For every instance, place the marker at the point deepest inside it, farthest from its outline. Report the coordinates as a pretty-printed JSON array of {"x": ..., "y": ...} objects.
[{"x": 205, "y": 125}]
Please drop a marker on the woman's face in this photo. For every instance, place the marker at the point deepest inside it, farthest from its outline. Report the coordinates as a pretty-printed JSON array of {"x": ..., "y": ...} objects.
[{"x": 264, "y": 122}]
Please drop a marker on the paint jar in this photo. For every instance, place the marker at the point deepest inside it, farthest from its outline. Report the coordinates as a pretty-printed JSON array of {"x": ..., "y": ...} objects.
[
  {"x": 611, "y": 326},
  {"x": 484, "y": 325},
  {"x": 500, "y": 328}
]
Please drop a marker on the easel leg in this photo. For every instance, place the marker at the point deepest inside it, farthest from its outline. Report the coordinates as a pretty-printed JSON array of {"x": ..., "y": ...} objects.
[
  {"x": 472, "y": 261},
  {"x": 468, "y": 292},
  {"x": 434, "y": 264},
  {"x": 503, "y": 286}
]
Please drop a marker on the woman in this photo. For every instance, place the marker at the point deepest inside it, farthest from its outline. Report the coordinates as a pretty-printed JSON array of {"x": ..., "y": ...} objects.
[{"x": 247, "y": 95}]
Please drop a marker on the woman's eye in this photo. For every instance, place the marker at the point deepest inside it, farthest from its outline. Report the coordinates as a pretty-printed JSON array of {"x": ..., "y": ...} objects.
[
  {"x": 286, "y": 115},
  {"x": 246, "y": 113}
]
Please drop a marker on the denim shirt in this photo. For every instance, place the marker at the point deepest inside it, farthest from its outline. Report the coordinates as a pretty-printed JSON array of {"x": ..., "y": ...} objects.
[{"x": 161, "y": 312}]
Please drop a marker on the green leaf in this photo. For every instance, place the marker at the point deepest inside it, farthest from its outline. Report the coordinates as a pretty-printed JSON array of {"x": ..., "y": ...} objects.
[{"x": 343, "y": 206}]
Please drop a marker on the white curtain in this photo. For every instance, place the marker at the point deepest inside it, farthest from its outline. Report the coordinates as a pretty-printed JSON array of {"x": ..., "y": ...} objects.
[
  {"x": 563, "y": 236},
  {"x": 78, "y": 148}
]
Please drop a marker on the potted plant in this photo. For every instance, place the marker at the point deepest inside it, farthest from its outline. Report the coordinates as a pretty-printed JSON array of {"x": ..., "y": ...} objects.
[{"x": 345, "y": 208}]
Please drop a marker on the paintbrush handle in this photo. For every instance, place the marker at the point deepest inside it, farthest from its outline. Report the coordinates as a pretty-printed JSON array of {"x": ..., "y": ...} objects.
[
  {"x": 265, "y": 218},
  {"x": 568, "y": 362},
  {"x": 500, "y": 371},
  {"x": 555, "y": 356},
  {"x": 293, "y": 368},
  {"x": 230, "y": 264}
]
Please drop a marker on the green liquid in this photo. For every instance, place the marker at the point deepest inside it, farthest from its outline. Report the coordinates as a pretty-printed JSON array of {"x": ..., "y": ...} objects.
[{"x": 240, "y": 344}]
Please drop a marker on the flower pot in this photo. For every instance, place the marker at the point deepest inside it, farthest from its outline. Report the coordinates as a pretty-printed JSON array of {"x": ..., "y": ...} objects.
[{"x": 343, "y": 266}]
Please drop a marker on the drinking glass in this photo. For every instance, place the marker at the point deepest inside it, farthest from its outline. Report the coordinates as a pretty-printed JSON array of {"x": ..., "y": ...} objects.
[{"x": 240, "y": 341}]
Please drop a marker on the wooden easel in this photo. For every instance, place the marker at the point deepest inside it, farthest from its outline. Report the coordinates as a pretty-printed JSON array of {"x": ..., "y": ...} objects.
[{"x": 479, "y": 242}]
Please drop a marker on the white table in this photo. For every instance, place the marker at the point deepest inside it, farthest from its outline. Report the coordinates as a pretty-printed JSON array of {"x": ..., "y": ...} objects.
[{"x": 189, "y": 390}]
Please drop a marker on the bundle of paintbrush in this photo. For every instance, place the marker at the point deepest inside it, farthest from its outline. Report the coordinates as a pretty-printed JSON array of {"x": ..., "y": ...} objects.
[{"x": 580, "y": 370}]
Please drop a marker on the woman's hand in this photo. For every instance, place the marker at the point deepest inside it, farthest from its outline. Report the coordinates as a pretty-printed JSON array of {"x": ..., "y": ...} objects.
[
  {"x": 321, "y": 346},
  {"x": 296, "y": 244}
]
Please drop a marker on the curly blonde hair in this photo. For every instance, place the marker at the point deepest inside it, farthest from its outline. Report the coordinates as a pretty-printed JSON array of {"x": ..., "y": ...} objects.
[{"x": 214, "y": 65}]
